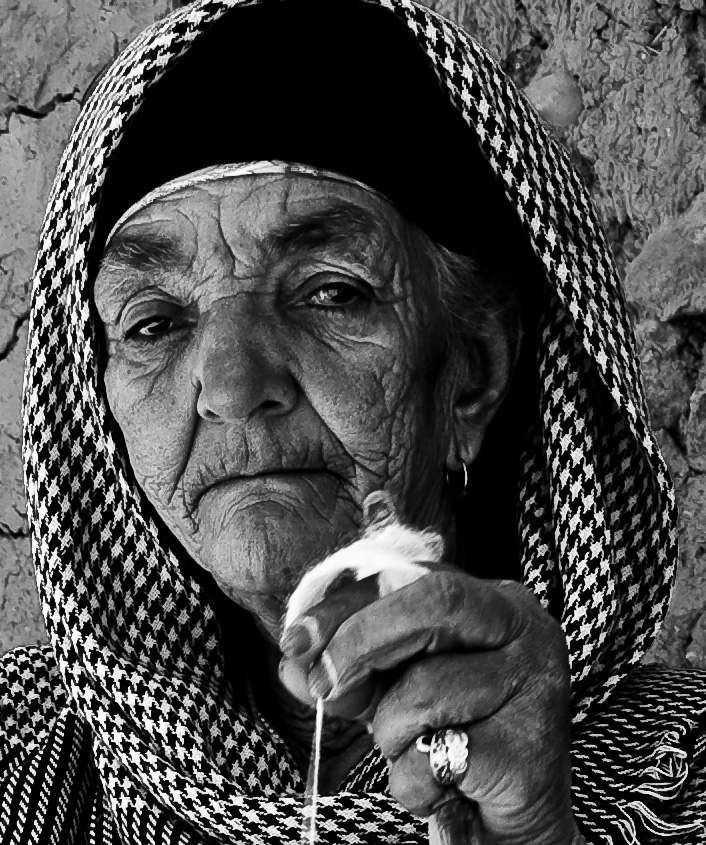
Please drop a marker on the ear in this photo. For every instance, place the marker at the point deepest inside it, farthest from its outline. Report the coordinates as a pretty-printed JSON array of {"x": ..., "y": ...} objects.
[{"x": 482, "y": 389}]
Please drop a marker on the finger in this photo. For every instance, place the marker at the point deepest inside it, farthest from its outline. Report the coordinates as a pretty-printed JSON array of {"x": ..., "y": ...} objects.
[
  {"x": 442, "y": 611},
  {"x": 520, "y": 782},
  {"x": 359, "y": 703},
  {"x": 412, "y": 782},
  {"x": 303, "y": 640},
  {"x": 309, "y": 634},
  {"x": 295, "y": 679},
  {"x": 443, "y": 691},
  {"x": 413, "y": 785}
]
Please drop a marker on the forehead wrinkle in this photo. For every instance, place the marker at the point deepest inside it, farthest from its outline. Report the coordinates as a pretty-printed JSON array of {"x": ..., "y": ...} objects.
[
  {"x": 112, "y": 300},
  {"x": 146, "y": 252},
  {"x": 339, "y": 224},
  {"x": 134, "y": 260},
  {"x": 239, "y": 228},
  {"x": 235, "y": 260}
]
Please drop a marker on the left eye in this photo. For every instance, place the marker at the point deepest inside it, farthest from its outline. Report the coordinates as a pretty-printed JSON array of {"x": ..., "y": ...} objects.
[{"x": 335, "y": 296}]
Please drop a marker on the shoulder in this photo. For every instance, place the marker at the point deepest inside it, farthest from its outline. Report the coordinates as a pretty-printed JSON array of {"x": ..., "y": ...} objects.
[
  {"x": 31, "y": 698},
  {"x": 639, "y": 761},
  {"x": 49, "y": 786}
]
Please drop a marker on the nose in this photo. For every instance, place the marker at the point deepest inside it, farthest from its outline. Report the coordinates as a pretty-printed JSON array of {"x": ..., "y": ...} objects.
[{"x": 239, "y": 366}]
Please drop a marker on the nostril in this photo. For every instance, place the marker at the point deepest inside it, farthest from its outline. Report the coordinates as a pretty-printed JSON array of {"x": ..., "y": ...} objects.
[
  {"x": 269, "y": 405},
  {"x": 211, "y": 416},
  {"x": 239, "y": 386}
]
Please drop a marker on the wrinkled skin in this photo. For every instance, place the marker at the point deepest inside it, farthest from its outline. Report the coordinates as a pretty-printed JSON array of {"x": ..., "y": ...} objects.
[
  {"x": 249, "y": 367},
  {"x": 478, "y": 654},
  {"x": 264, "y": 384}
]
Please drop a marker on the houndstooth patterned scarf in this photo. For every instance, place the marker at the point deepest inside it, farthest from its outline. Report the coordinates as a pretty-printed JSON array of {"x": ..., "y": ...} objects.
[{"x": 125, "y": 730}]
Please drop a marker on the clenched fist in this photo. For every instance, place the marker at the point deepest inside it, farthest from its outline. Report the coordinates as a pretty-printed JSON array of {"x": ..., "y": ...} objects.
[{"x": 450, "y": 650}]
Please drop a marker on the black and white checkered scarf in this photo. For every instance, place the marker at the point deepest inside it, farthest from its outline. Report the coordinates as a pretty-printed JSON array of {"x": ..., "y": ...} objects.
[{"x": 124, "y": 729}]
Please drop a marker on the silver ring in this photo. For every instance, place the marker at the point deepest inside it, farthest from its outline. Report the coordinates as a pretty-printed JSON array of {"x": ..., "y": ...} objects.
[{"x": 448, "y": 754}]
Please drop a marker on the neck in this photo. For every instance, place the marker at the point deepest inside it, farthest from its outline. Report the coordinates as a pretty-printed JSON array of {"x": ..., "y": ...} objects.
[{"x": 343, "y": 742}]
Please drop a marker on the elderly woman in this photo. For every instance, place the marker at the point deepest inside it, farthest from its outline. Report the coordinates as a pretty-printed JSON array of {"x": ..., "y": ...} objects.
[{"x": 296, "y": 254}]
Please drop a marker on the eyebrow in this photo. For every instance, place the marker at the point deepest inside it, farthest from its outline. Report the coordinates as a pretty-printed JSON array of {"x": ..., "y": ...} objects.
[
  {"x": 145, "y": 251},
  {"x": 341, "y": 224}
]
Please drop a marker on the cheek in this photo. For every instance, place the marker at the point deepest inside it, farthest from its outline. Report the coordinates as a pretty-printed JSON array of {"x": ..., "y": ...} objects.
[
  {"x": 375, "y": 393},
  {"x": 152, "y": 412}
]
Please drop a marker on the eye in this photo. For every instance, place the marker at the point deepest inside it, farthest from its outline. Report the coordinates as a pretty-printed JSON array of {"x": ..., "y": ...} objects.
[
  {"x": 337, "y": 295},
  {"x": 149, "y": 328}
]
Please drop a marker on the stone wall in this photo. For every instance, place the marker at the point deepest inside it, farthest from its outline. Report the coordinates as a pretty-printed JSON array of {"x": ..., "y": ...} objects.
[{"x": 623, "y": 83}]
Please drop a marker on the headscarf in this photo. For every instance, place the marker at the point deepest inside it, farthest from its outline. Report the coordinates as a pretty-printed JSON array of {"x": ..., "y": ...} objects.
[{"x": 126, "y": 727}]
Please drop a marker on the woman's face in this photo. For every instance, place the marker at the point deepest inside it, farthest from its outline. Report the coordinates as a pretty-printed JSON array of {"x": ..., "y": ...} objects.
[{"x": 270, "y": 363}]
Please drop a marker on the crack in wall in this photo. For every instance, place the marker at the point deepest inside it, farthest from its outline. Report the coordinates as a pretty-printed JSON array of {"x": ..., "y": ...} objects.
[
  {"x": 13, "y": 533},
  {"x": 6, "y": 351},
  {"x": 12, "y": 573},
  {"x": 38, "y": 113}
]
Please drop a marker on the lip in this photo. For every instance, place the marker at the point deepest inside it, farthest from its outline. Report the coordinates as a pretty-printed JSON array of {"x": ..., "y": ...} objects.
[{"x": 265, "y": 474}]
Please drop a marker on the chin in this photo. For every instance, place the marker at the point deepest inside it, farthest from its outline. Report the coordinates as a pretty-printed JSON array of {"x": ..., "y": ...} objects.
[{"x": 257, "y": 550}]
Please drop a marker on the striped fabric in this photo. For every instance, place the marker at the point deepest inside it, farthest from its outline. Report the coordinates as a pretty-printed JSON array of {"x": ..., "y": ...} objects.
[{"x": 125, "y": 728}]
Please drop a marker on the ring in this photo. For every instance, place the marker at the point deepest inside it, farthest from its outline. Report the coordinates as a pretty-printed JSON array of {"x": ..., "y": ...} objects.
[{"x": 448, "y": 754}]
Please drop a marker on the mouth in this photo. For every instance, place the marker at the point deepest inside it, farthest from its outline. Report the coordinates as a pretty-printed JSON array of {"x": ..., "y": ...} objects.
[{"x": 283, "y": 475}]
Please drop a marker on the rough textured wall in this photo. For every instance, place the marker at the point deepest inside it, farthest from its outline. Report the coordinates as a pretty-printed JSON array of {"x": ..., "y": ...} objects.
[{"x": 623, "y": 81}]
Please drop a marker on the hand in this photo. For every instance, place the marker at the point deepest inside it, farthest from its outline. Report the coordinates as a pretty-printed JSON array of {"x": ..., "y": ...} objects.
[{"x": 452, "y": 650}]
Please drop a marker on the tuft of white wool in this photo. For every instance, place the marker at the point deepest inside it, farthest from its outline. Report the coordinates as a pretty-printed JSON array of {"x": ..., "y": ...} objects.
[{"x": 394, "y": 552}]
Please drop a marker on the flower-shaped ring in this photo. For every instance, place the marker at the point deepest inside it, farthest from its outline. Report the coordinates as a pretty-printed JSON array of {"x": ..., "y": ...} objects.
[{"x": 448, "y": 754}]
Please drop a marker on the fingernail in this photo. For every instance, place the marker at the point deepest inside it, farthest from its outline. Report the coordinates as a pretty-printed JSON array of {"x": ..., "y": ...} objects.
[
  {"x": 322, "y": 678},
  {"x": 295, "y": 641}
]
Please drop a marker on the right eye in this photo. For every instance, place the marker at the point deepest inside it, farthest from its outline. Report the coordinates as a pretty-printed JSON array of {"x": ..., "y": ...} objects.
[{"x": 150, "y": 329}]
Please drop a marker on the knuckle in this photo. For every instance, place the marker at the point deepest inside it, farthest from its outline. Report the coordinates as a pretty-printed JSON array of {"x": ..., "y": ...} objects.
[
  {"x": 412, "y": 791},
  {"x": 387, "y": 738},
  {"x": 402, "y": 788},
  {"x": 550, "y": 686},
  {"x": 415, "y": 682},
  {"x": 350, "y": 640},
  {"x": 512, "y": 589},
  {"x": 524, "y": 600},
  {"x": 450, "y": 591},
  {"x": 541, "y": 644}
]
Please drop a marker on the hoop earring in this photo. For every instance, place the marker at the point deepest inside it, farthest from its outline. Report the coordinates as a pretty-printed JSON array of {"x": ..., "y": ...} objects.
[{"x": 458, "y": 491}]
